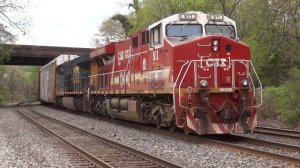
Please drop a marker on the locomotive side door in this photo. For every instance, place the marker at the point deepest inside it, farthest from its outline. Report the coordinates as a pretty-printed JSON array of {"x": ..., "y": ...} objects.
[{"x": 88, "y": 85}]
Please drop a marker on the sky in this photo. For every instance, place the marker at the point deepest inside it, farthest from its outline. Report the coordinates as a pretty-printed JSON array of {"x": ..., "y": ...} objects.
[{"x": 68, "y": 23}]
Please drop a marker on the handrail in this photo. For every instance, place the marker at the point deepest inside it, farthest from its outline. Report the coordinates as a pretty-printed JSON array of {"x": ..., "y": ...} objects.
[
  {"x": 179, "y": 89},
  {"x": 261, "y": 87},
  {"x": 108, "y": 73},
  {"x": 179, "y": 74}
]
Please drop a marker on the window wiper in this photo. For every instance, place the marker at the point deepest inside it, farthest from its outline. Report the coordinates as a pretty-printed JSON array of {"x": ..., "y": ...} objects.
[
  {"x": 231, "y": 33},
  {"x": 219, "y": 27},
  {"x": 183, "y": 26}
]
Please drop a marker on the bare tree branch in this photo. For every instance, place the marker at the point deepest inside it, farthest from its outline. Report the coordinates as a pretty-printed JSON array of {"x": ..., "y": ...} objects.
[{"x": 7, "y": 8}]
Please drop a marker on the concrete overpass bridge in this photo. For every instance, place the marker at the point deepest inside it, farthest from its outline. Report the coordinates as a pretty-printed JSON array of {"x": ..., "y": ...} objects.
[{"x": 39, "y": 55}]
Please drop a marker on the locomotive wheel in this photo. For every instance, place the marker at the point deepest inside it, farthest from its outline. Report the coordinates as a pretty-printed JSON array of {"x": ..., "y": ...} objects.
[
  {"x": 100, "y": 109},
  {"x": 157, "y": 116},
  {"x": 172, "y": 125},
  {"x": 158, "y": 121},
  {"x": 79, "y": 105}
]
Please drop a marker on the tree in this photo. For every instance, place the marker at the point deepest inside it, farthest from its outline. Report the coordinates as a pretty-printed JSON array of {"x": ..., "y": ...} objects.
[
  {"x": 18, "y": 83},
  {"x": 135, "y": 5},
  {"x": 12, "y": 17},
  {"x": 227, "y": 7},
  {"x": 272, "y": 36},
  {"x": 110, "y": 30},
  {"x": 153, "y": 10},
  {"x": 125, "y": 22},
  {"x": 4, "y": 54}
]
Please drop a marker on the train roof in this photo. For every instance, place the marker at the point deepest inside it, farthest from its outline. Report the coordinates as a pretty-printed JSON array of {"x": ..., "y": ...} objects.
[
  {"x": 104, "y": 50},
  {"x": 199, "y": 17},
  {"x": 81, "y": 59},
  {"x": 61, "y": 59},
  {"x": 194, "y": 17}
]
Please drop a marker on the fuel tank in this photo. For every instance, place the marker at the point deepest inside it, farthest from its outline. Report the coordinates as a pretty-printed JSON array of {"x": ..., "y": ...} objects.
[{"x": 68, "y": 103}]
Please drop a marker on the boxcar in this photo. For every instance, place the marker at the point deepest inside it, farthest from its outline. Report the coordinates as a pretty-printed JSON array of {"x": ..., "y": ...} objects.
[{"x": 47, "y": 82}]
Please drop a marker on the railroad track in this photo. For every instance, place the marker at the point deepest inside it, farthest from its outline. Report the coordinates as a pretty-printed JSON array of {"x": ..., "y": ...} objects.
[
  {"x": 288, "y": 153},
  {"x": 62, "y": 149},
  {"x": 278, "y": 132},
  {"x": 99, "y": 151},
  {"x": 232, "y": 142}
]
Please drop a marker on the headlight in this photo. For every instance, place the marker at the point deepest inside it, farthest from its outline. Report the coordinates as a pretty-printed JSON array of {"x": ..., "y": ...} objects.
[
  {"x": 215, "y": 48},
  {"x": 215, "y": 45},
  {"x": 244, "y": 82},
  {"x": 203, "y": 83},
  {"x": 215, "y": 42}
]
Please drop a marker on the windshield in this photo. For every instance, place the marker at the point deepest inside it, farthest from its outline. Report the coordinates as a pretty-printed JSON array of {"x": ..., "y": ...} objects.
[
  {"x": 226, "y": 30},
  {"x": 184, "y": 30}
]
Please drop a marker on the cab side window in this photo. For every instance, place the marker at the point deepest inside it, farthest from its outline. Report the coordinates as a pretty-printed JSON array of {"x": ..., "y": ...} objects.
[
  {"x": 135, "y": 42},
  {"x": 155, "y": 35},
  {"x": 145, "y": 37}
]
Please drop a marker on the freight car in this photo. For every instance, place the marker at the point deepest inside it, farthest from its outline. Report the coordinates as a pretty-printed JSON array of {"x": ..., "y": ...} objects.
[
  {"x": 186, "y": 71},
  {"x": 46, "y": 85}
]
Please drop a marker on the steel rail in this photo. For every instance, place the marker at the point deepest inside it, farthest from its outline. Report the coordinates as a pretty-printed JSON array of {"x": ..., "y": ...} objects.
[
  {"x": 256, "y": 152},
  {"x": 209, "y": 141},
  {"x": 146, "y": 156},
  {"x": 267, "y": 143},
  {"x": 83, "y": 153},
  {"x": 206, "y": 140},
  {"x": 278, "y": 132}
]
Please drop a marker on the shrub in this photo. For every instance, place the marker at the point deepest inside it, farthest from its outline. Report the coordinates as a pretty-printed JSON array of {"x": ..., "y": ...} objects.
[
  {"x": 288, "y": 102},
  {"x": 283, "y": 100},
  {"x": 268, "y": 109}
]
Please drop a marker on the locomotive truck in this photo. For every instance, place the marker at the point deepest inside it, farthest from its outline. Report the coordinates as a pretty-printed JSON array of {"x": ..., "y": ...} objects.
[{"x": 187, "y": 71}]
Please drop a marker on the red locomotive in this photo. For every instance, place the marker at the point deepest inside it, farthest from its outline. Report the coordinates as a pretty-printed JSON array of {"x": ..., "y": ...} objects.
[{"x": 188, "y": 71}]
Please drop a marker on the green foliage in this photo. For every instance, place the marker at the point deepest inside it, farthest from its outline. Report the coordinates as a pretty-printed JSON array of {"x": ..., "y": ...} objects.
[
  {"x": 4, "y": 54},
  {"x": 125, "y": 22},
  {"x": 154, "y": 10},
  {"x": 268, "y": 109},
  {"x": 272, "y": 34},
  {"x": 284, "y": 100},
  {"x": 18, "y": 83},
  {"x": 289, "y": 101},
  {"x": 12, "y": 20}
]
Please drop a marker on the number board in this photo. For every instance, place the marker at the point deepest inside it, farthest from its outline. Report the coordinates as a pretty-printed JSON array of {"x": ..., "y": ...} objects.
[
  {"x": 216, "y": 17},
  {"x": 187, "y": 16}
]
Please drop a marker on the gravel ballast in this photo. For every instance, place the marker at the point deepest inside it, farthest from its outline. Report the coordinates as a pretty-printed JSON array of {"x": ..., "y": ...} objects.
[
  {"x": 24, "y": 145},
  {"x": 184, "y": 153}
]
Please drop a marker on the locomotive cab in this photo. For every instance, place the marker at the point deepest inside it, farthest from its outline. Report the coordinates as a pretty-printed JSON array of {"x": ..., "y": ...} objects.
[{"x": 71, "y": 71}]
